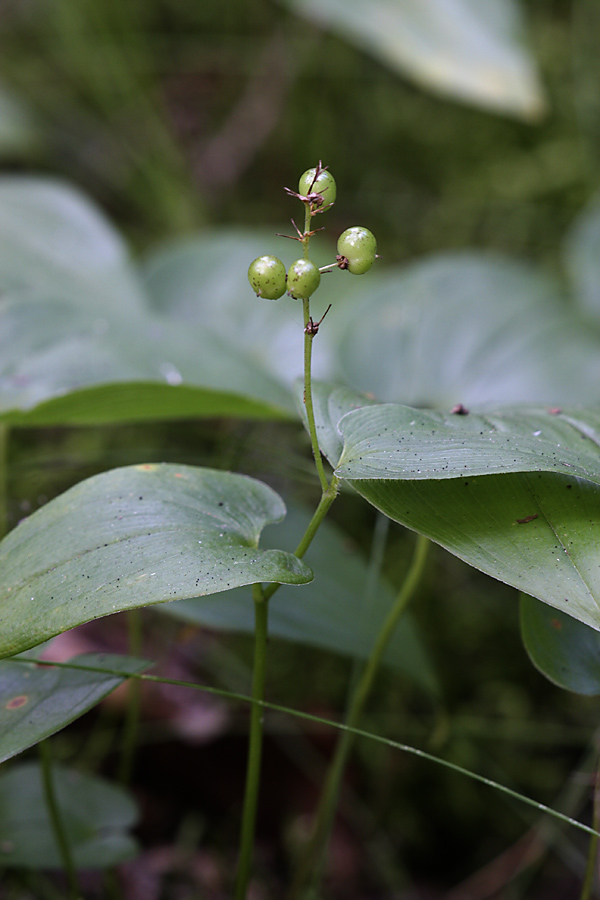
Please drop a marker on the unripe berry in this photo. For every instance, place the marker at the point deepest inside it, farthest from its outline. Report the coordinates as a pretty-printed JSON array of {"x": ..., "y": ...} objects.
[
  {"x": 267, "y": 277},
  {"x": 322, "y": 186},
  {"x": 303, "y": 279},
  {"x": 357, "y": 249}
]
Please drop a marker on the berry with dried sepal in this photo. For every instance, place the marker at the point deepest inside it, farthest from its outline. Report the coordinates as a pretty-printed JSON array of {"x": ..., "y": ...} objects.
[
  {"x": 357, "y": 250},
  {"x": 267, "y": 278},
  {"x": 318, "y": 186},
  {"x": 303, "y": 279}
]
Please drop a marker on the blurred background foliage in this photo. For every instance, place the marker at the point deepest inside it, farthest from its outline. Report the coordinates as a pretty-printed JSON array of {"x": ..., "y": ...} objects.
[{"x": 178, "y": 116}]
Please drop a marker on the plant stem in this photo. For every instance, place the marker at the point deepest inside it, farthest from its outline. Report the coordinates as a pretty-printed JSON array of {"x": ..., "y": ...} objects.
[
  {"x": 310, "y": 415},
  {"x": 57, "y": 822},
  {"x": 587, "y": 889},
  {"x": 261, "y": 598},
  {"x": 261, "y": 608},
  {"x": 310, "y": 870},
  {"x": 132, "y": 712},
  {"x": 319, "y": 514},
  {"x": 306, "y": 235}
]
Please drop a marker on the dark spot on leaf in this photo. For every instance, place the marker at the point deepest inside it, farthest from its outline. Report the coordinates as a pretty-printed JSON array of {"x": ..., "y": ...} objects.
[
  {"x": 17, "y": 702},
  {"x": 527, "y": 519}
]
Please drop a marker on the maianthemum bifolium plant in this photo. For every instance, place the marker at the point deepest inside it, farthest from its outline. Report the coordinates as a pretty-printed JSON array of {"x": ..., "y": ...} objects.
[{"x": 514, "y": 491}]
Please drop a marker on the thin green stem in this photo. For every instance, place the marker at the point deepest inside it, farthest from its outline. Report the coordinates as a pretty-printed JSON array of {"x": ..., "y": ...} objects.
[
  {"x": 261, "y": 609},
  {"x": 308, "y": 403},
  {"x": 310, "y": 870},
  {"x": 306, "y": 235},
  {"x": 589, "y": 880},
  {"x": 132, "y": 712},
  {"x": 319, "y": 720},
  {"x": 261, "y": 598},
  {"x": 57, "y": 822},
  {"x": 311, "y": 529}
]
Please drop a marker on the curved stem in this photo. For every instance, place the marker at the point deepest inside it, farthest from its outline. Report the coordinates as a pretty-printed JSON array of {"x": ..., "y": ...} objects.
[
  {"x": 587, "y": 888},
  {"x": 57, "y": 822},
  {"x": 311, "y": 529},
  {"x": 310, "y": 871},
  {"x": 261, "y": 608}
]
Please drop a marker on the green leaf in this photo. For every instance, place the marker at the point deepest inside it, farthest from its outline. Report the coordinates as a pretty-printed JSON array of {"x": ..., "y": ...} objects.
[
  {"x": 467, "y": 49},
  {"x": 133, "y": 537},
  {"x": 202, "y": 282},
  {"x": 54, "y": 241},
  {"x": 75, "y": 315},
  {"x": 564, "y": 650},
  {"x": 388, "y": 440},
  {"x": 96, "y": 816},
  {"x": 465, "y": 328},
  {"x": 333, "y": 612},
  {"x": 139, "y": 401},
  {"x": 36, "y": 701},
  {"x": 515, "y": 493},
  {"x": 55, "y": 347},
  {"x": 330, "y": 403}
]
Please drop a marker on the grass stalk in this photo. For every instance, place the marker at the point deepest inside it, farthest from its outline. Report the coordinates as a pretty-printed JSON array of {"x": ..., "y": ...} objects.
[
  {"x": 57, "y": 821},
  {"x": 310, "y": 870},
  {"x": 261, "y": 607}
]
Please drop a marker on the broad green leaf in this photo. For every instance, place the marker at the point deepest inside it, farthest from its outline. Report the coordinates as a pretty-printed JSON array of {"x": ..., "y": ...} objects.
[
  {"x": 515, "y": 493},
  {"x": 330, "y": 403},
  {"x": 51, "y": 348},
  {"x": 133, "y": 537},
  {"x": 465, "y": 328},
  {"x": 139, "y": 401},
  {"x": 467, "y": 49},
  {"x": 36, "y": 701},
  {"x": 583, "y": 260},
  {"x": 202, "y": 281},
  {"x": 333, "y": 612},
  {"x": 52, "y": 240},
  {"x": 564, "y": 650},
  {"x": 96, "y": 815},
  {"x": 75, "y": 315},
  {"x": 534, "y": 531},
  {"x": 388, "y": 440}
]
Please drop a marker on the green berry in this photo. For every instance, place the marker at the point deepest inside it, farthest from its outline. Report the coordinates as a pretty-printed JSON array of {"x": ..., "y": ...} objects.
[
  {"x": 267, "y": 277},
  {"x": 303, "y": 279},
  {"x": 357, "y": 249},
  {"x": 320, "y": 183}
]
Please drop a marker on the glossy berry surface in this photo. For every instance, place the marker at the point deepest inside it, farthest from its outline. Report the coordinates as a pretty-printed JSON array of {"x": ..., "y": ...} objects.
[
  {"x": 303, "y": 279},
  {"x": 323, "y": 185},
  {"x": 267, "y": 277},
  {"x": 357, "y": 249},
  {"x": 357, "y": 245}
]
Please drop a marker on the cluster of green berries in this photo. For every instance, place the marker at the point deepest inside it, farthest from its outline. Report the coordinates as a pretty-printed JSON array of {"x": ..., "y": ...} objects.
[{"x": 356, "y": 247}]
